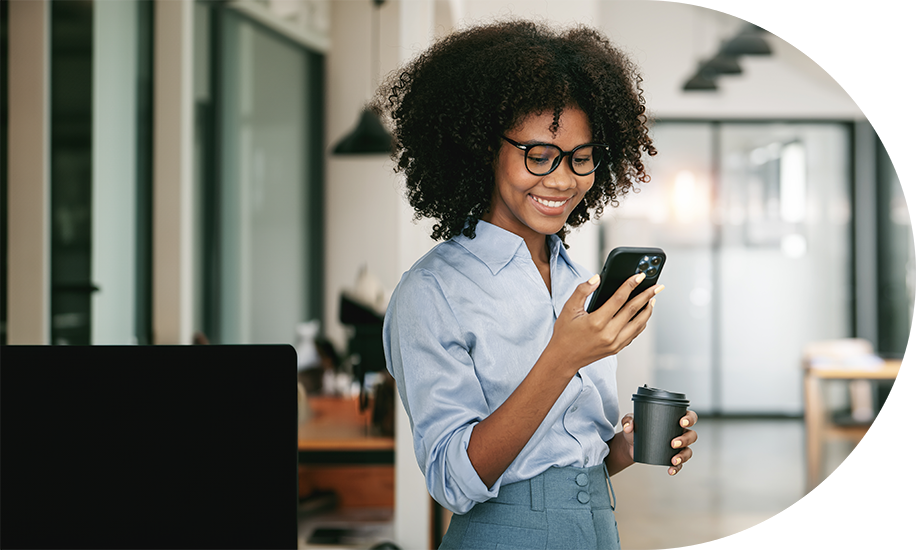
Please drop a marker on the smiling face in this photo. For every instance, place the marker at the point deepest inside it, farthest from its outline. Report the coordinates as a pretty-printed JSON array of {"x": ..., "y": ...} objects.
[{"x": 532, "y": 206}]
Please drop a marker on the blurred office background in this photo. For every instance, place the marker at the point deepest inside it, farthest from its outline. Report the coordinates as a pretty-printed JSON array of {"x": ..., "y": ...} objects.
[{"x": 167, "y": 174}]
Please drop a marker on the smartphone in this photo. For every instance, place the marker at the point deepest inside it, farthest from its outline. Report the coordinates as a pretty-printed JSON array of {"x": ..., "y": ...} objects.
[{"x": 622, "y": 263}]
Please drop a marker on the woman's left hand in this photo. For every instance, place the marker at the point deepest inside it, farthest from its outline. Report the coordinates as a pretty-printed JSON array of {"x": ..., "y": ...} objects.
[{"x": 684, "y": 441}]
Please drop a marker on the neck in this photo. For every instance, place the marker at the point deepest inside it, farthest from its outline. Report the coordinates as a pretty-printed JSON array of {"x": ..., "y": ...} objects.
[
  {"x": 536, "y": 242},
  {"x": 537, "y": 247}
]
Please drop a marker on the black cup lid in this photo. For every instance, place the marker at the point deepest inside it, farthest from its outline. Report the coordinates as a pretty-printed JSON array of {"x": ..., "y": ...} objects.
[{"x": 645, "y": 393}]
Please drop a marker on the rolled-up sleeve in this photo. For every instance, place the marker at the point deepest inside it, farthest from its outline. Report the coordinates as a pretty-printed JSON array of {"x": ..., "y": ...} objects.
[{"x": 428, "y": 354}]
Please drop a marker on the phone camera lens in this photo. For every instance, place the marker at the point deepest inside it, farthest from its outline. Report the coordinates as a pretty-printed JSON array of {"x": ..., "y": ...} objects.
[
  {"x": 656, "y": 260},
  {"x": 643, "y": 265},
  {"x": 651, "y": 272}
]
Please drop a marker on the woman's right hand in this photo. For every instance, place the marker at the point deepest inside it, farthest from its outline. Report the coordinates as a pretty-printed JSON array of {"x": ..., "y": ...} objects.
[
  {"x": 584, "y": 338},
  {"x": 579, "y": 339}
]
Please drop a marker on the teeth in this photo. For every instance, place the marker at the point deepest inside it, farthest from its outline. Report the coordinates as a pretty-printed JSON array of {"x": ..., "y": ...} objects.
[{"x": 551, "y": 204}]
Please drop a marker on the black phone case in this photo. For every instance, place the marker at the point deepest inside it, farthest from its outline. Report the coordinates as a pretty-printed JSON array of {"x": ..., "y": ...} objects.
[{"x": 622, "y": 263}]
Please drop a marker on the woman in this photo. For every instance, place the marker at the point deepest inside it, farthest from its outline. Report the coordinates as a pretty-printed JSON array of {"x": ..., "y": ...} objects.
[{"x": 509, "y": 134}]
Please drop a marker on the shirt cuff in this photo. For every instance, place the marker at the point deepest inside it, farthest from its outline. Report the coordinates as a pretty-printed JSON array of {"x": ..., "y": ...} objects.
[{"x": 462, "y": 472}]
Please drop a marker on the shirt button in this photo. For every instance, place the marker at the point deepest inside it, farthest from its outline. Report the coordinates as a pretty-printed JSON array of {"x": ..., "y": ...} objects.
[
  {"x": 581, "y": 480},
  {"x": 583, "y": 497},
  {"x": 586, "y": 461},
  {"x": 574, "y": 409}
]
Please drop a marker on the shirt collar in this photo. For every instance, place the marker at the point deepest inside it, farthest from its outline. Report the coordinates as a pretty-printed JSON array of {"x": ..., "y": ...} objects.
[
  {"x": 496, "y": 246},
  {"x": 557, "y": 249}
]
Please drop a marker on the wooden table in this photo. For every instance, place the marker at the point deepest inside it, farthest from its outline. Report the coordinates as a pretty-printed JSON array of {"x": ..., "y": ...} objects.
[
  {"x": 818, "y": 427},
  {"x": 338, "y": 452}
]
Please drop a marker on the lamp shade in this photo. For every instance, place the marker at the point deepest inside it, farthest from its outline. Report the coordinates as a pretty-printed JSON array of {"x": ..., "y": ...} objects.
[
  {"x": 747, "y": 43},
  {"x": 723, "y": 64},
  {"x": 702, "y": 81},
  {"x": 368, "y": 138}
]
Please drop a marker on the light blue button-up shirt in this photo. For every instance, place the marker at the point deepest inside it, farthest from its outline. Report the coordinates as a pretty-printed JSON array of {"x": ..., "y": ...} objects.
[{"x": 463, "y": 329}]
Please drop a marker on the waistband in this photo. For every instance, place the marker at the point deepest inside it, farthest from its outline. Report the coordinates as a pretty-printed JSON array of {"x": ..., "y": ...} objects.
[{"x": 561, "y": 488}]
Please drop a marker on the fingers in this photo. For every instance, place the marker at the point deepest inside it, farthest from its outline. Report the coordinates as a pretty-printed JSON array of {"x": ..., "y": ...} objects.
[
  {"x": 683, "y": 441},
  {"x": 689, "y": 438},
  {"x": 638, "y": 310},
  {"x": 623, "y": 329},
  {"x": 635, "y": 305},
  {"x": 618, "y": 300},
  {"x": 628, "y": 427},
  {"x": 678, "y": 461},
  {"x": 689, "y": 419}
]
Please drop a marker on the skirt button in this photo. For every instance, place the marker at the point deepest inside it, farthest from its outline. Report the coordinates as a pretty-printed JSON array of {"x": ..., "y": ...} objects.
[
  {"x": 584, "y": 497},
  {"x": 581, "y": 480}
]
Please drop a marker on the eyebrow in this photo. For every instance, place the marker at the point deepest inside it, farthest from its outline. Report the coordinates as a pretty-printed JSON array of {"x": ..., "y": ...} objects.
[{"x": 530, "y": 143}]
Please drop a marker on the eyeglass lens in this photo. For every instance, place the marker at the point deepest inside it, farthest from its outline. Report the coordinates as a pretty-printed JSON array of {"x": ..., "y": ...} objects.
[{"x": 544, "y": 159}]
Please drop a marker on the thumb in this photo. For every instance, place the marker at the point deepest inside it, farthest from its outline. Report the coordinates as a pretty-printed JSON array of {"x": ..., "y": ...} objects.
[{"x": 582, "y": 291}]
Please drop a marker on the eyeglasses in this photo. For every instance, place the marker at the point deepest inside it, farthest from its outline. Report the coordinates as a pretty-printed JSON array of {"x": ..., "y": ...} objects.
[{"x": 543, "y": 158}]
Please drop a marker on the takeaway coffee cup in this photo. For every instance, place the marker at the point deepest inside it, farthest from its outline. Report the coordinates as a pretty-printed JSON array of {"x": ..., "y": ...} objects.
[{"x": 657, "y": 414}]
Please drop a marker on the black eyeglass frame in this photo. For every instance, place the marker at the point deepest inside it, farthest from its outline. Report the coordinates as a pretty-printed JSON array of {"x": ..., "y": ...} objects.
[{"x": 559, "y": 159}]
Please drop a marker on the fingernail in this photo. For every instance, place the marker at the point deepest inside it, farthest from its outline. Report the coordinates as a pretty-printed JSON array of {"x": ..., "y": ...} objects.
[
  {"x": 671, "y": 471},
  {"x": 659, "y": 288},
  {"x": 652, "y": 302},
  {"x": 677, "y": 461},
  {"x": 627, "y": 425},
  {"x": 677, "y": 443},
  {"x": 594, "y": 279},
  {"x": 685, "y": 422},
  {"x": 640, "y": 278}
]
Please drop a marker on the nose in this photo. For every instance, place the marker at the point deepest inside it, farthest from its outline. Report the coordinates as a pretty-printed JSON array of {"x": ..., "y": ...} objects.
[{"x": 562, "y": 178}]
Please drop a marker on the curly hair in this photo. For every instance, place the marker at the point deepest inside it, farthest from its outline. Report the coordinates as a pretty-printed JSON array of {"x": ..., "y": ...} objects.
[{"x": 450, "y": 105}]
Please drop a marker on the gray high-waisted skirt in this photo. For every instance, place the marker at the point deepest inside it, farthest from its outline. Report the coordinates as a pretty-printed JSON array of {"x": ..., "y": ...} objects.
[{"x": 562, "y": 508}]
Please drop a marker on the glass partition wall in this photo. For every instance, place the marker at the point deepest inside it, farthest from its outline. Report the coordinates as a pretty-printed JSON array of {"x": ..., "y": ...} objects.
[
  {"x": 101, "y": 124},
  {"x": 757, "y": 220},
  {"x": 258, "y": 138},
  {"x": 784, "y": 260}
]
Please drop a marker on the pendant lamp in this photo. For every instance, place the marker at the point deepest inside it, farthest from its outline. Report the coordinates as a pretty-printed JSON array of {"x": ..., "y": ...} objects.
[
  {"x": 747, "y": 42},
  {"x": 704, "y": 80},
  {"x": 701, "y": 81},
  {"x": 369, "y": 137},
  {"x": 723, "y": 64}
]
